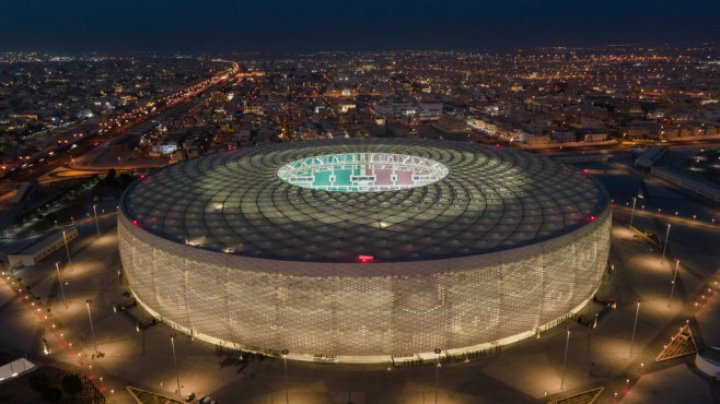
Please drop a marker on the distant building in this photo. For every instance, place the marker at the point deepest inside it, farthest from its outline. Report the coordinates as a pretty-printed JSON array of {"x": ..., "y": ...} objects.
[
  {"x": 688, "y": 129},
  {"x": 41, "y": 247},
  {"x": 24, "y": 192},
  {"x": 164, "y": 148},
  {"x": 422, "y": 111},
  {"x": 592, "y": 137},
  {"x": 450, "y": 126},
  {"x": 564, "y": 137},
  {"x": 341, "y": 92},
  {"x": 344, "y": 108},
  {"x": 650, "y": 156},
  {"x": 492, "y": 110},
  {"x": 643, "y": 129},
  {"x": 430, "y": 110},
  {"x": 254, "y": 109},
  {"x": 85, "y": 114},
  {"x": 532, "y": 139},
  {"x": 176, "y": 157},
  {"x": 483, "y": 125}
]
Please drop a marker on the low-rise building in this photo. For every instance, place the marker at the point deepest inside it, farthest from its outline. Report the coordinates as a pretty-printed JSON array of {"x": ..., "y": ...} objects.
[
  {"x": 41, "y": 247},
  {"x": 707, "y": 361}
]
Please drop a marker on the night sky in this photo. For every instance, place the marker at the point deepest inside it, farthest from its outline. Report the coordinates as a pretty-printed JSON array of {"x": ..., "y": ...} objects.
[{"x": 307, "y": 25}]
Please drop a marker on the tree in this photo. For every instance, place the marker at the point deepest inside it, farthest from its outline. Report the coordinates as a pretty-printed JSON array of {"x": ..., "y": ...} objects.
[
  {"x": 111, "y": 178},
  {"x": 125, "y": 179},
  {"x": 39, "y": 382},
  {"x": 71, "y": 384},
  {"x": 52, "y": 394}
]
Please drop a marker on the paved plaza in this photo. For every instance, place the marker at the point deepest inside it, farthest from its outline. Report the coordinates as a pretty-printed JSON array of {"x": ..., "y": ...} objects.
[{"x": 529, "y": 371}]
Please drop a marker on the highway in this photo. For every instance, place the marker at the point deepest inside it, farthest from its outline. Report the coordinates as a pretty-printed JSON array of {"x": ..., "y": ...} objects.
[
  {"x": 97, "y": 133},
  {"x": 101, "y": 133},
  {"x": 627, "y": 147}
]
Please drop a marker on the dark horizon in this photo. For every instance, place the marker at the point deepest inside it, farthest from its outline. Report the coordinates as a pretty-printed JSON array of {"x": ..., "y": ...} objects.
[{"x": 281, "y": 26}]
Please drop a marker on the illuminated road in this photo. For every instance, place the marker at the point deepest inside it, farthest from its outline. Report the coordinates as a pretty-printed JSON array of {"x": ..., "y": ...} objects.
[
  {"x": 119, "y": 125},
  {"x": 522, "y": 373},
  {"x": 45, "y": 171},
  {"x": 627, "y": 147},
  {"x": 671, "y": 218}
]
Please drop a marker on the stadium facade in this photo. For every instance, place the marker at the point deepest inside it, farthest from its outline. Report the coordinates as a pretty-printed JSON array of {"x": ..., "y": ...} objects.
[{"x": 365, "y": 250}]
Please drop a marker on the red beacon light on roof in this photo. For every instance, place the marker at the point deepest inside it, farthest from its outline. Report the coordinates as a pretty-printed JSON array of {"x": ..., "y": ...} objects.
[
  {"x": 142, "y": 176},
  {"x": 365, "y": 259},
  {"x": 135, "y": 222},
  {"x": 591, "y": 218}
]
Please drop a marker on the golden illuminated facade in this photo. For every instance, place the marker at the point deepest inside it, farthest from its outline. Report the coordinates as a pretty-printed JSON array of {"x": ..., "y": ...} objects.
[{"x": 304, "y": 247}]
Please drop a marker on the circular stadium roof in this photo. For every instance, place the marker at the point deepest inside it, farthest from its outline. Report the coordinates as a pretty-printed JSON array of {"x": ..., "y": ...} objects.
[{"x": 475, "y": 199}]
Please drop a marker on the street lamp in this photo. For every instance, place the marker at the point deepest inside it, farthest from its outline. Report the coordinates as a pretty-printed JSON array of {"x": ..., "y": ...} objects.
[
  {"x": 567, "y": 346},
  {"x": 285, "y": 353},
  {"x": 667, "y": 235},
  {"x": 177, "y": 373},
  {"x": 632, "y": 340},
  {"x": 674, "y": 279},
  {"x": 67, "y": 250},
  {"x": 92, "y": 328},
  {"x": 97, "y": 225},
  {"x": 437, "y": 351},
  {"x": 62, "y": 291}
]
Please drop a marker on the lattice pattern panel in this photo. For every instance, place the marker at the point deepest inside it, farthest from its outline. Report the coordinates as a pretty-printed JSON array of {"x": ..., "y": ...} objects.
[{"x": 384, "y": 308}]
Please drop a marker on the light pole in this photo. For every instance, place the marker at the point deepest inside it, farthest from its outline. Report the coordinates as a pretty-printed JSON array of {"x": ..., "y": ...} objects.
[
  {"x": 97, "y": 225},
  {"x": 92, "y": 328},
  {"x": 67, "y": 250},
  {"x": 437, "y": 351},
  {"x": 674, "y": 279},
  {"x": 567, "y": 346},
  {"x": 285, "y": 353},
  {"x": 632, "y": 212},
  {"x": 62, "y": 291},
  {"x": 177, "y": 373},
  {"x": 667, "y": 235},
  {"x": 632, "y": 339}
]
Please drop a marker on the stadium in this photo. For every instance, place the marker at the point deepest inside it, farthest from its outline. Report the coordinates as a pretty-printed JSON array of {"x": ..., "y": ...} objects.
[{"x": 364, "y": 250}]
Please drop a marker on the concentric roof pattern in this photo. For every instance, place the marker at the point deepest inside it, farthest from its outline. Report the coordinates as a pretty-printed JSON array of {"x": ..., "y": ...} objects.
[{"x": 491, "y": 199}]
